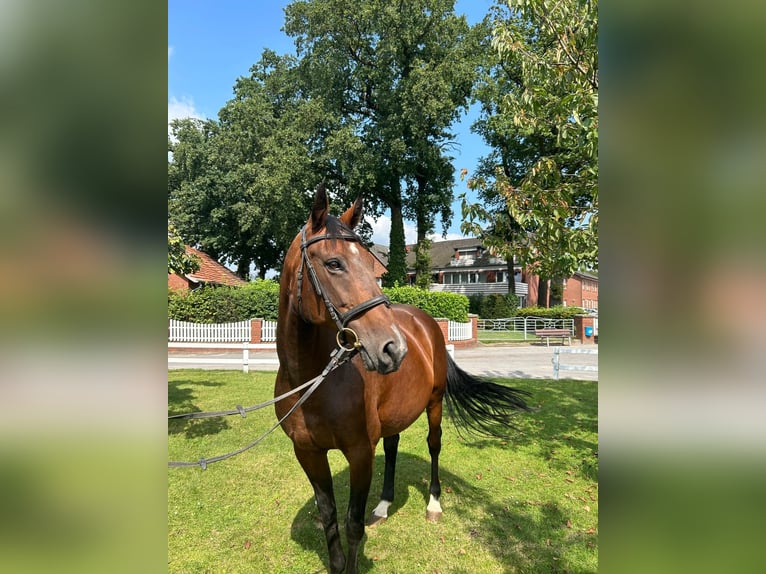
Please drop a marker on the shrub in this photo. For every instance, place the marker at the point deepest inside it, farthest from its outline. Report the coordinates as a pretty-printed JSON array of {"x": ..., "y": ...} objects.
[
  {"x": 558, "y": 312},
  {"x": 496, "y": 306},
  {"x": 225, "y": 304},
  {"x": 438, "y": 304}
]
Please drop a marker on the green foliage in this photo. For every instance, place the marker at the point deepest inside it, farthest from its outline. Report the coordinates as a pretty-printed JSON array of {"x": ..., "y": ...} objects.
[
  {"x": 539, "y": 186},
  {"x": 438, "y": 304},
  {"x": 493, "y": 306},
  {"x": 558, "y": 312},
  {"x": 423, "y": 264},
  {"x": 179, "y": 261},
  {"x": 258, "y": 299}
]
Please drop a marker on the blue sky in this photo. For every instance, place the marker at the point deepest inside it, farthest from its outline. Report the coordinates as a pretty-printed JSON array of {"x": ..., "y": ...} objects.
[{"x": 211, "y": 44}]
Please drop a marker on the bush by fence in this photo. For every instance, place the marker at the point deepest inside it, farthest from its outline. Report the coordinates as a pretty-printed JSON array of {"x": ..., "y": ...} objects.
[
  {"x": 493, "y": 306},
  {"x": 225, "y": 304},
  {"x": 438, "y": 304},
  {"x": 559, "y": 312},
  {"x": 260, "y": 298}
]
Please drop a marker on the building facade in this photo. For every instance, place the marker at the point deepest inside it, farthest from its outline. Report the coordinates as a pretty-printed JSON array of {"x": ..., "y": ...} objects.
[{"x": 466, "y": 266}]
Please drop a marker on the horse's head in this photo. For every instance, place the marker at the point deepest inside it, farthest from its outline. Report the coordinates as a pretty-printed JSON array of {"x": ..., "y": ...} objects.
[{"x": 334, "y": 284}]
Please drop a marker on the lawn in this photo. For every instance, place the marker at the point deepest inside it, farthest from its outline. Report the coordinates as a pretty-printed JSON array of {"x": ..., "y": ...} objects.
[
  {"x": 505, "y": 337},
  {"x": 528, "y": 504}
]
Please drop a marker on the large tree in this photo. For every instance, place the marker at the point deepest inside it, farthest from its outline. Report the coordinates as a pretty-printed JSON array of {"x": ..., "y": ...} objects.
[
  {"x": 241, "y": 187},
  {"x": 398, "y": 73},
  {"x": 539, "y": 115}
]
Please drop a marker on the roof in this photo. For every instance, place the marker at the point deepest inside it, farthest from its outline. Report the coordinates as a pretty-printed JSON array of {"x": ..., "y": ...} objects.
[
  {"x": 586, "y": 275},
  {"x": 442, "y": 252},
  {"x": 210, "y": 271}
]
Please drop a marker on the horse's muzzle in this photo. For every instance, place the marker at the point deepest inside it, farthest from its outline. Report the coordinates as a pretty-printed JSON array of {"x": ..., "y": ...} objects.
[{"x": 389, "y": 355}]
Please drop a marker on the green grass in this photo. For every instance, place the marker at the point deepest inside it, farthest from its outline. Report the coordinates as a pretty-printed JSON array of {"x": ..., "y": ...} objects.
[
  {"x": 529, "y": 504},
  {"x": 505, "y": 337}
]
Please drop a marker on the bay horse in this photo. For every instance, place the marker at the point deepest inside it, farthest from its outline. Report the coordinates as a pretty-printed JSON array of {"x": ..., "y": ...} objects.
[{"x": 328, "y": 298}]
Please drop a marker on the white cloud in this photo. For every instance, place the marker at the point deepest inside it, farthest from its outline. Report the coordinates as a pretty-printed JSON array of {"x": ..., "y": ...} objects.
[
  {"x": 436, "y": 237},
  {"x": 171, "y": 49}
]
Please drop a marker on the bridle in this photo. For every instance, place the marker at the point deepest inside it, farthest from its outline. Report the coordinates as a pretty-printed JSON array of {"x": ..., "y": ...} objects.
[
  {"x": 341, "y": 319},
  {"x": 341, "y": 355}
]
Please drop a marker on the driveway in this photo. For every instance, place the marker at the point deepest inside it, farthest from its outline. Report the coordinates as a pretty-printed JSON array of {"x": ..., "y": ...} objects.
[{"x": 502, "y": 361}]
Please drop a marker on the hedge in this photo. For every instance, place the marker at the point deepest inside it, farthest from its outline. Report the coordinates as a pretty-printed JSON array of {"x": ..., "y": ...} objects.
[
  {"x": 558, "y": 312},
  {"x": 438, "y": 304},
  {"x": 258, "y": 299}
]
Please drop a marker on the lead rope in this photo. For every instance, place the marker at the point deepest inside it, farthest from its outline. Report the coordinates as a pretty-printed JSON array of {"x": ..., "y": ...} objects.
[{"x": 338, "y": 357}]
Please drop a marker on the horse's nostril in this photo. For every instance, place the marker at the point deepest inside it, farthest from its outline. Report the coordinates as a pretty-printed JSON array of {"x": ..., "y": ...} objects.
[{"x": 394, "y": 352}]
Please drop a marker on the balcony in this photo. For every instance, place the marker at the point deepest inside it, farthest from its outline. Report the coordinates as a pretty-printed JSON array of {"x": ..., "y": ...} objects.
[{"x": 482, "y": 288}]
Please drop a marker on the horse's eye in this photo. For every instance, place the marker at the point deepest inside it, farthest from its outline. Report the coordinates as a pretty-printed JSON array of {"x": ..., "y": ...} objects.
[{"x": 333, "y": 265}]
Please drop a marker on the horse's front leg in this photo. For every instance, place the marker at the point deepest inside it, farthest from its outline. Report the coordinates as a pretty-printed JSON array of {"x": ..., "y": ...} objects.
[
  {"x": 360, "y": 462},
  {"x": 317, "y": 469},
  {"x": 380, "y": 512}
]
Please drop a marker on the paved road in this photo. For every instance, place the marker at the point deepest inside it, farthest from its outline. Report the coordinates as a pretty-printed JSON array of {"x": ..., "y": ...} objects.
[{"x": 506, "y": 361}]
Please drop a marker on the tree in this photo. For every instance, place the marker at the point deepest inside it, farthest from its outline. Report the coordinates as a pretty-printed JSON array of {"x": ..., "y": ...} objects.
[
  {"x": 540, "y": 103},
  {"x": 398, "y": 75},
  {"x": 241, "y": 187}
]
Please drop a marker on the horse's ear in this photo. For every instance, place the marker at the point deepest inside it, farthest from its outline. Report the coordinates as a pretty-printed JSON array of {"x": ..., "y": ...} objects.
[
  {"x": 320, "y": 208},
  {"x": 353, "y": 215}
]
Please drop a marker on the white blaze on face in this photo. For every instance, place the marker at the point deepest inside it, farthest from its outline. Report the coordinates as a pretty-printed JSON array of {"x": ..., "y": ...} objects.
[{"x": 353, "y": 249}]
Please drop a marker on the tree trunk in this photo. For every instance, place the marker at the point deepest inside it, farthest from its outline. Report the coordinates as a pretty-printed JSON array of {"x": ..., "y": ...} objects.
[
  {"x": 542, "y": 292},
  {"x": 557, "y": 291},
  {"x": 397, "y": 267},
  {"x": 511, "y": 277}
]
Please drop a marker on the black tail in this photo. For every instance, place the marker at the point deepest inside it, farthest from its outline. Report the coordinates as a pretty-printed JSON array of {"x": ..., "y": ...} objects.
[{"x": 480, "y": 406}]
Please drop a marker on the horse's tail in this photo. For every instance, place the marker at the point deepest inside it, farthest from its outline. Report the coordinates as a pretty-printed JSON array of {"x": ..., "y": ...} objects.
[{"x": 480, "y": 406}]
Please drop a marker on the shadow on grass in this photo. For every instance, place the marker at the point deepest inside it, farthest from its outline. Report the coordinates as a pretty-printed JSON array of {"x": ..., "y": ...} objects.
[
  {"x": 522, "y": 538},
  {"x": 181, "y": 396},
  {"x": 566, "y": 409}
]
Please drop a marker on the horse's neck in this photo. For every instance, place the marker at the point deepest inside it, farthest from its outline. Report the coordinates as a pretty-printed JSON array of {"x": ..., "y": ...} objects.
[{"x": 304, "y": 349}]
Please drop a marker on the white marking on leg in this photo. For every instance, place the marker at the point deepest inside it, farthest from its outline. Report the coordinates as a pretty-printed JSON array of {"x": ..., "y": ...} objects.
[
  {"x": 434, "y": 505},
  {"x": 381, "y": 509}
]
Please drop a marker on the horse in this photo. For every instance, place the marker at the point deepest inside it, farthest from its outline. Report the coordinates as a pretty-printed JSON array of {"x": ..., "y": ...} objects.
[{"x": 329, "y": 298}]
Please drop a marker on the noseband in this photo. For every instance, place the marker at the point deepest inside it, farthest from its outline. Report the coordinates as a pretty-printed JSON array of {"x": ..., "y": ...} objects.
[{"x": 341, "y": 319}]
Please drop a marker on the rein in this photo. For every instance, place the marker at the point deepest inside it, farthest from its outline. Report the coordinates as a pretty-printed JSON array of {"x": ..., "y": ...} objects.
[
  {"x": 338, "y": 357},
  {"x": 342, "y": 354}
]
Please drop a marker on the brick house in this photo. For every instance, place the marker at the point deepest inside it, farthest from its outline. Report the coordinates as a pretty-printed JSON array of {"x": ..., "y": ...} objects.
[
  {"x": 466, "y": 266},
  {"x": 210, "y": 273}
]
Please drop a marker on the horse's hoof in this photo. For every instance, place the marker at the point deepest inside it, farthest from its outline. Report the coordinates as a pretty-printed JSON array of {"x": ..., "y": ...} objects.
[
  {"x": 374, "y": 520},
  {"x": 432, "y": 516}
]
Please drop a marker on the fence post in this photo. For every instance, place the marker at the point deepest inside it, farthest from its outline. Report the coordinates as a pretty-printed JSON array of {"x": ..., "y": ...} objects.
[{"x": 256, "y": 330}]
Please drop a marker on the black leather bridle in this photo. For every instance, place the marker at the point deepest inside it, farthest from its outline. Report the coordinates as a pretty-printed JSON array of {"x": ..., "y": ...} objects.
[{"x": 341, "y": 319}]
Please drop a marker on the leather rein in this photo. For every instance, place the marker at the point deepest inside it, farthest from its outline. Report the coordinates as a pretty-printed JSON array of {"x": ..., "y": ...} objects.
[{"x": 345, "y": 350}]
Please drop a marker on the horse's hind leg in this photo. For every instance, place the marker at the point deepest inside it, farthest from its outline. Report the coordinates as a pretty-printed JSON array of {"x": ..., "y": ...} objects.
[
  {"x": 434, "y": 412},
  {"x": 390, "y": 448},
  {"x": 317, "y": 469}
]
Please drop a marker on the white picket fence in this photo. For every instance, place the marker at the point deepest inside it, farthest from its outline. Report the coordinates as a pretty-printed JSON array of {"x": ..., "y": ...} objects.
[
  {"x": 268, "y": 331},
  {"x": 236, "y": 332},
  {"x": 459, "y": 331}
]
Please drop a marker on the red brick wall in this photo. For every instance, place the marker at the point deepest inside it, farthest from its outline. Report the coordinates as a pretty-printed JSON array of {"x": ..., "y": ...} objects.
[{"x": 573, "y": 292}]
